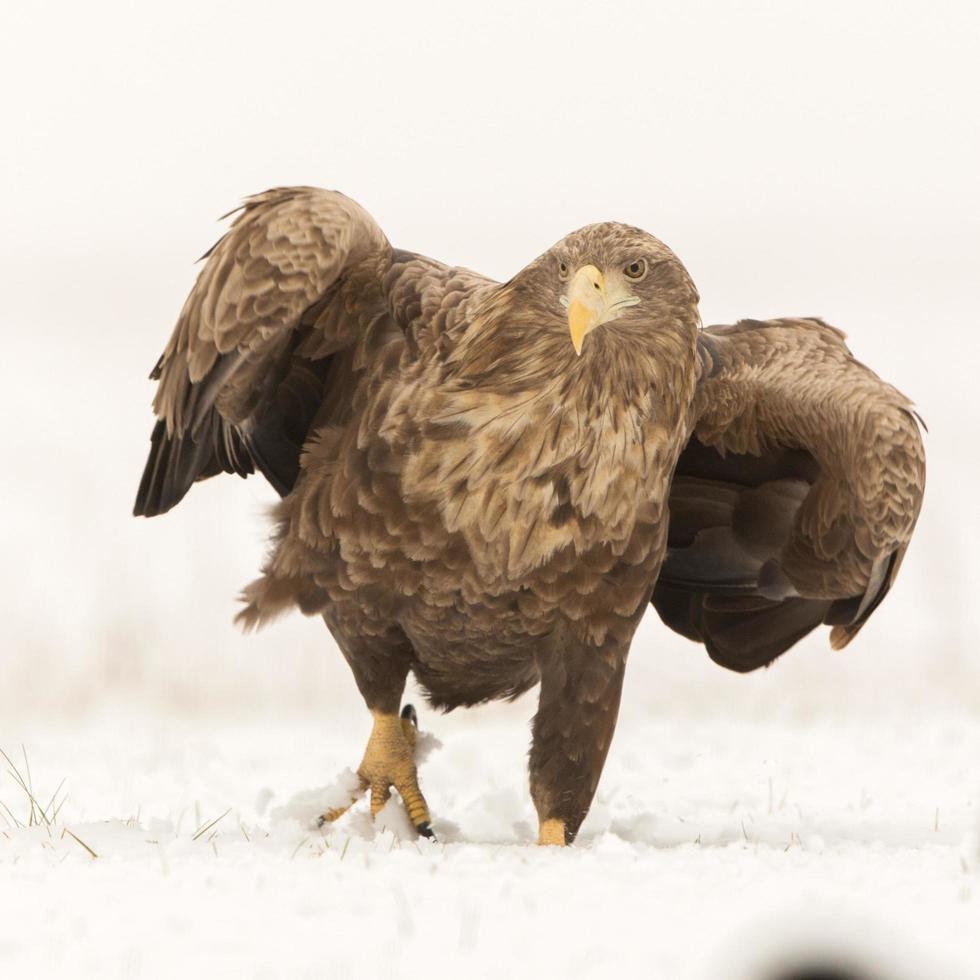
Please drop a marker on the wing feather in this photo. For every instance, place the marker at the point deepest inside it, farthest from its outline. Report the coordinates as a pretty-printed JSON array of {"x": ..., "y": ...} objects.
[
  {"x": 822, "y": 470},
  {"x": 295, "y": 279}
]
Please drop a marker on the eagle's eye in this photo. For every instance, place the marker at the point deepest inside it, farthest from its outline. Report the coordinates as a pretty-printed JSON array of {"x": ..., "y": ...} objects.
[
  {"x": 636, "y": 269},
  {"x": 562, "y": 271}
]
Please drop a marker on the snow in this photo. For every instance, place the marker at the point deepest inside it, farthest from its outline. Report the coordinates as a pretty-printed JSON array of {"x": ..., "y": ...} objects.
[
  {"x": 827, "y": 805},
  {"x": 719, "y": 844}
]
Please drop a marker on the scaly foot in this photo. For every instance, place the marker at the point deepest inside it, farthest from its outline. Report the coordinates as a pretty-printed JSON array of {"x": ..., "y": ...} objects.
[
  {"x": 389, "y": 761},
  {"x": 552, "y": 831}
]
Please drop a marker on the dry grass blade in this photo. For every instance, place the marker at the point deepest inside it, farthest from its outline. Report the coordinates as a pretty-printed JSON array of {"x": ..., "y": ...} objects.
[
  {"x": 29, "y": 783},
  {"x": 81, "y": 842},
  {"x": 213, "y": 823},
  {"x": 16, "y": 776},
  {"x": 57, "y": 809},
  {"x": 54, "y": 796},
  {"x": 10, "y": 814}
]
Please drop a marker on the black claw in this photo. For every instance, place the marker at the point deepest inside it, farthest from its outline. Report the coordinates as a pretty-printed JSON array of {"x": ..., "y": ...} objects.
[
  {"x": 425, "y": 830},
  {"x": 409, "y": 712},
  {"x": 320, "y": 820}
]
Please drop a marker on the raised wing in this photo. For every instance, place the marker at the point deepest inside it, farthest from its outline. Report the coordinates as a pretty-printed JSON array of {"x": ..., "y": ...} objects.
[
  {"x": 795, "y": 499},
  {"x": 294, "y": 282}
]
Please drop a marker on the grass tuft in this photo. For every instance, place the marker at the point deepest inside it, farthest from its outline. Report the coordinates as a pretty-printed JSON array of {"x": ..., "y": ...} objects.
[{"x": 37, "y": 815}]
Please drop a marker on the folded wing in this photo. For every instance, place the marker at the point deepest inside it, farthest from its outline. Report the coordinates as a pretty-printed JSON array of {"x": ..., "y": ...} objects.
[
  {"x": 795, "y": 499},
  {"x": 293, "y": 283}
]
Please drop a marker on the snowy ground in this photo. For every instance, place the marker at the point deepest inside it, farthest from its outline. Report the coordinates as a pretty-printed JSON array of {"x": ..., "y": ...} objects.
[{"x": 716, "y": 843}]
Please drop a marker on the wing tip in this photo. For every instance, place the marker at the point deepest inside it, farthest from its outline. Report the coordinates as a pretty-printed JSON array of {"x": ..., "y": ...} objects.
[{"x": 171, "y": 467}]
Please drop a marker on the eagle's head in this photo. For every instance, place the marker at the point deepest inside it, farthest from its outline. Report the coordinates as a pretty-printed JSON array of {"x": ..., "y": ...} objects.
[
  {"x": 614, "y": 273},
  {"x": 609, "y": 293}
]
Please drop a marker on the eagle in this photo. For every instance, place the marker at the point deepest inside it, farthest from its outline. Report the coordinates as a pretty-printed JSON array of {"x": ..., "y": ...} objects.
[{"x": 487, "y": 484}]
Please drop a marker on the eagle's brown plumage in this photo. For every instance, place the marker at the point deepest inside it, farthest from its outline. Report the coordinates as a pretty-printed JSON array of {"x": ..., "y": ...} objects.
[
  {"x": 796, "y": 497},
  {"x": 467, "y": 498}
]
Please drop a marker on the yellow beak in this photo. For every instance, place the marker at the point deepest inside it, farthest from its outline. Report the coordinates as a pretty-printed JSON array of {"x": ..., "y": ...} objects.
[{"x": 586, "y": 303}]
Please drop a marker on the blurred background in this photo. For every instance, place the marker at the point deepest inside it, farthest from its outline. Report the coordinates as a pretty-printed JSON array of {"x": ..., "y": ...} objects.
[{"x": 812, "y": 159}]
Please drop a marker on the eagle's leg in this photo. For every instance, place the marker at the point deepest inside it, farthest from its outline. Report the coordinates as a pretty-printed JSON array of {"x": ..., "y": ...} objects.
[
  {"x": 572, "y": 731},
  {"x": 380, "y": 669}
]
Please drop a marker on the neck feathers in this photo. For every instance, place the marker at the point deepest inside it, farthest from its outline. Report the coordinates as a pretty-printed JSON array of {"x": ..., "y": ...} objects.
[{"x": 528, "y": 449}]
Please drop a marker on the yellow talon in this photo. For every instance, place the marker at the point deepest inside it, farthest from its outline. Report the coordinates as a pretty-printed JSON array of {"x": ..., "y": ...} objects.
[
  {"x": 389, "y": 761},
  {"x": 335, "y": 813}
]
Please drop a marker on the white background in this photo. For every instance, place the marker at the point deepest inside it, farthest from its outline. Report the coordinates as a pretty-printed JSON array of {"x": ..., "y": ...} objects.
[{"x": 801, "y": 158}]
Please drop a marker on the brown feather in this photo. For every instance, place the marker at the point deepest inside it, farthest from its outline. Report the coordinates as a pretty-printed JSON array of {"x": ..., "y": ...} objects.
[{"x": 786, "y": 398}]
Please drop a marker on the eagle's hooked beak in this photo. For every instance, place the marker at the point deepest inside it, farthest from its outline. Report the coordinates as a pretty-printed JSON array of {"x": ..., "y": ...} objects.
[
  {"x": 586, "y": 303},
  {"x": 590, "y": 303}
]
